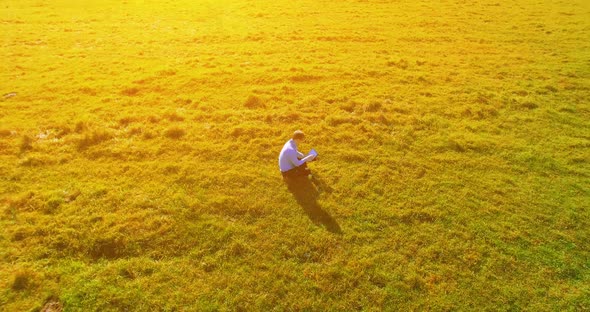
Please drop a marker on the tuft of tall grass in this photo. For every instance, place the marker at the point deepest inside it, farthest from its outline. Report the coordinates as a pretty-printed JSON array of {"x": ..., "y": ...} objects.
[
  {"x": 254, "y": 101},
  {"x": 23, "y": 279},
  {"x": 174, "y": 132},
  {"x": 173, "y": 116},
  {"x": 94, "y": 138},
  {"x": 26, "y": 143},
  {"x": 5, "y": 133}
]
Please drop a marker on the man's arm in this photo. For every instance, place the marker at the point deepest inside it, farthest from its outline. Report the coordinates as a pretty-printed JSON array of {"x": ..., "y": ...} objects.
[
  {"x": 292, "y": 156},
  {"x": 300, "y": 154}
]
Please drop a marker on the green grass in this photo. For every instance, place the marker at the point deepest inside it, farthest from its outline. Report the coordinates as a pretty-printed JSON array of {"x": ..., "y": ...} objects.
[{"x": 138, "y": 158}]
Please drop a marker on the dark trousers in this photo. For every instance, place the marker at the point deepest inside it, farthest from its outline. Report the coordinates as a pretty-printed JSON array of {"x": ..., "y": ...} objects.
[{"x": 297, "y": 171}]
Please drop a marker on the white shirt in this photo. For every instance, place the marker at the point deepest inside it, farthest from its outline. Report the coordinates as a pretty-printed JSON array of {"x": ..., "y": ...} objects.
[{"x": 288, "y": 156}]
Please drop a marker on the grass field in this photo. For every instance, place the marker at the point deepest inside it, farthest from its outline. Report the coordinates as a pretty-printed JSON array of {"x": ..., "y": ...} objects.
[{"x": 139, "y": 144}]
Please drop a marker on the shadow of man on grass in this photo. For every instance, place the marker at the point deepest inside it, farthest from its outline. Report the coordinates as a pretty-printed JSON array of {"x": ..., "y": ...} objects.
[{"x": 306, "y": 193}]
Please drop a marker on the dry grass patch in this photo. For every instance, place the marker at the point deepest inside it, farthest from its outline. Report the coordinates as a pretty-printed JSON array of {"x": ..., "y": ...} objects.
[{"x": 174, "y": 132}]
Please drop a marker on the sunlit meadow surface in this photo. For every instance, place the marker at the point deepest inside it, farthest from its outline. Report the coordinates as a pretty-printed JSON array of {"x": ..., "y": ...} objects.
[{"x": 139, "y": 144}]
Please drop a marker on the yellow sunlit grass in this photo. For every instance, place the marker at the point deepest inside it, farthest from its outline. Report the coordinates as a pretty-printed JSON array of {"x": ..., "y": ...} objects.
[{"x": 139, "y": 144}]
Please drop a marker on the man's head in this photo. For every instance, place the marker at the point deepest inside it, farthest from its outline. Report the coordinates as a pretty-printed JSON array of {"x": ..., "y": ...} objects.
[{"x": 298, "y": 136}]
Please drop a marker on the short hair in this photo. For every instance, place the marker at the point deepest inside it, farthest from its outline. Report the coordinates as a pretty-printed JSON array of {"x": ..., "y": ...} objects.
[{"x": 298, "y": 135}]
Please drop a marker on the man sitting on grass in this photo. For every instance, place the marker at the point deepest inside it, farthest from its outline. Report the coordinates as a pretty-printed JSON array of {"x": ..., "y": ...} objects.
[{"x": 292, "y": 162}]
